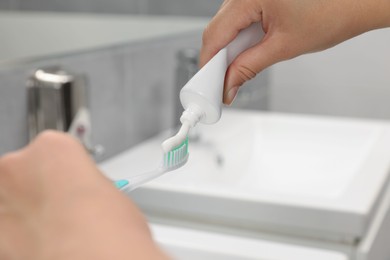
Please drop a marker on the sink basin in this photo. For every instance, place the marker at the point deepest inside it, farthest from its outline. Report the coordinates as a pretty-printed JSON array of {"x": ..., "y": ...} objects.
[
  {"x": 286, "y": 156},
  {"x": 316, "y": 176}
]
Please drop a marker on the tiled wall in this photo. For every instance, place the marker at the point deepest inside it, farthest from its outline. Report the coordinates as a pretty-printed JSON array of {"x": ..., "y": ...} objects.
[
  {"x": 351, "y": 79},
  {"x": 98, "y": 6},
  {"x": 183, "y": 7},
  {"x": 5, "y": 4},
  {"x": 131, "y": 92},
  {"x": 156, "y": 7}
]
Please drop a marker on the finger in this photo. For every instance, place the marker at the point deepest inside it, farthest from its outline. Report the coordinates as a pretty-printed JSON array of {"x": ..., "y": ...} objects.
[
  {"x": 232, "y": 17},
  {"x": 63, "y": 158},
  {"x": 252, "y": 61},
  {"x": 9, "y": 177}
]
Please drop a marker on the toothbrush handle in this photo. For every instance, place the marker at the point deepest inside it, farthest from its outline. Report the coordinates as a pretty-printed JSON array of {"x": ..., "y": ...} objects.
[
  {"x": 245, "y": 39},
  {"x": 134, "y": 182}
]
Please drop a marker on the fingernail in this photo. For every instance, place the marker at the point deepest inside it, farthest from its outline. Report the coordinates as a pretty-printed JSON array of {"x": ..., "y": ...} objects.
[{"x": 231, "y": 95}]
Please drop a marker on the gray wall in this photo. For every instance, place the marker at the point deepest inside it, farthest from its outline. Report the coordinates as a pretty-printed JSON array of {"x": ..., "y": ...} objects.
[
  {"x": 100, "y": 6},
  {"x": 131, "y": 95},
  {"x": 155, "y": 7},
  {"x": 183, "y": 7},
  {"x": 132, "y": 92},
  {"x": 351, "y": 79}
]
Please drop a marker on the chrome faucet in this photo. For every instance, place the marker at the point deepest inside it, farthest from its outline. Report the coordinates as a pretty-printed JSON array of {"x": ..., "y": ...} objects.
[{"x": 57, "y": 100}]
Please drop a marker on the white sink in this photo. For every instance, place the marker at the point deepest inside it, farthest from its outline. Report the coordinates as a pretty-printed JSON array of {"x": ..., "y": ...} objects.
[
  {"x": 191, "y": 244},
  {"x": 315, "y": 176},
  {"x": 292, "y": 156}
]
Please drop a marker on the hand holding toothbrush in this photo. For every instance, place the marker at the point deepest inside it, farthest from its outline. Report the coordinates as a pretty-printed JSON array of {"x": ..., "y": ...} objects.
[
  {"x": 292, "y": 28},
  {"x": 55, "y": 204}
]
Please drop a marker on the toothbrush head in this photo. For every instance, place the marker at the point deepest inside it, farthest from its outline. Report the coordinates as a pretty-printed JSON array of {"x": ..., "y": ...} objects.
[
  {"x": 176, "y": 157},
  {"x": 172, "y": 160}
]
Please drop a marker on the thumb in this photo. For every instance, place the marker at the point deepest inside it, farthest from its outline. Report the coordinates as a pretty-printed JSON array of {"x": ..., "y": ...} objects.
[{"x": 248, "y": 64}]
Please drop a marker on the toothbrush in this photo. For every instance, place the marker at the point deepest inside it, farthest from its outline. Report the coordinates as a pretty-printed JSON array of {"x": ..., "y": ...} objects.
[
  {"x": 172, "y": 160},
  {"x": 201, "y": 98}
]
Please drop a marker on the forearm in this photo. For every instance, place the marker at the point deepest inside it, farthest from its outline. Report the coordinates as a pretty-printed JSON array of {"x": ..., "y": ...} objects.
[
  {"x": 339, "y": 20},
  {"x": 292, "y": 28},
  {"x": 381, "y": 14},
  {"x": 371, "y": 15}
]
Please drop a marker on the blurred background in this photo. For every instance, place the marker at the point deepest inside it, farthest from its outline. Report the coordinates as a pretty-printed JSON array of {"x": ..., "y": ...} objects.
[
  {"x": 135, "y": 55},
  {"x": 349, "y": 80},
  {"x": 145, "y": 7}
]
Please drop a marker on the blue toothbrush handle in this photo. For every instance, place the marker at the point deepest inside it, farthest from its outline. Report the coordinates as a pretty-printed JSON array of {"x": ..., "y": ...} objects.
[
  {"x": 137, "y": 180},
  {"x": 172, "y": 160},
  {"x": 121, "y": 184}
]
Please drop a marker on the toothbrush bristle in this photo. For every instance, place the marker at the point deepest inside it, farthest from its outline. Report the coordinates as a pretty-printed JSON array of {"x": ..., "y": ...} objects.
[{"x": 177, "y": 156}]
